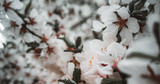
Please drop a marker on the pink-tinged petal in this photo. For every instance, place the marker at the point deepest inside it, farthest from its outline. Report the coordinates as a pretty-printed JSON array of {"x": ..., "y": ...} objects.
[
  {"x": 91, "y": 79},
  {"x": 80, "y": 57},
  {"x": 98, "y": 80},
  {"x": 116, "y": 49},
  {"x": 71, "y": 67},
  {"x": 126, "y": 35},
  {"x": 133, "y": 25},
  {"x": 123, "y": 13},
  {"x": 105, "y": 70},
  {"x": 98, "y": 26},
  {"x": 91, "y": 71}
]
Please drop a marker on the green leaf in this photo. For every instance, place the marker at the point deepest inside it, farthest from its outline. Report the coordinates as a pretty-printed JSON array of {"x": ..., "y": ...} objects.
[
  {"x": 49, "y": 23},
  {"x": 28, "y": 7},
  {"x": 139, "y": 4},
  {"x": 151, "y": 8},
  {"x": 77, "y": 75},
  {"x": 111, "y": 81},
  {"x": 68, "y": 51},
  {"x": 32, "y": 44},
  {"x": 140, "y": 15},
  {"x": 131, "y": 5},
  {"x": 78, "y": 42},
  {"x": 68, "y": 42},
  {"x": 67, "y": 81}
]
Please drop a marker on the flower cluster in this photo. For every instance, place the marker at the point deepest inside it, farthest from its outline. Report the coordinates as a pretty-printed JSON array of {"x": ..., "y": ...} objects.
[{"x": 79, "y": 41}]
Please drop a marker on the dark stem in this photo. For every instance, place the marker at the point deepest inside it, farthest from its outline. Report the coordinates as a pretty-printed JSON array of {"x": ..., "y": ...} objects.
[{"x": 81, "y": 22}]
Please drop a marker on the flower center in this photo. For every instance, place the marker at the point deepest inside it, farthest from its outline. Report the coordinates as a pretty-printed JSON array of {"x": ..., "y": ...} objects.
[
  {"x": 121, "y": 22},
  {"x": 6, "y": 5},
  {"x": 50, "y": 50},
  {"x": 44, "y": 39},
  {"x": 32, "y": 21},
  {"x": 13, "y": 24}
]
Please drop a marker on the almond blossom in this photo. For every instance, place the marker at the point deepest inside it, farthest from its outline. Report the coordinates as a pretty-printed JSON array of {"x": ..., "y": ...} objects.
[
  {"x": 79, "y": 41},
  {"x": 99, "y": 60},
  {"x": 119, "y": 16}
]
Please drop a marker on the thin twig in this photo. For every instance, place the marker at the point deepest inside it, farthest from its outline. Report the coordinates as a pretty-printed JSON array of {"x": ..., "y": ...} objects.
[{"x": 81, "y": 22}]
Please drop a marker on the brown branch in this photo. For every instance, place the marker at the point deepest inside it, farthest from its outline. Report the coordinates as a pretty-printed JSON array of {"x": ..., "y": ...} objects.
[{"x": 81, "y": 22}]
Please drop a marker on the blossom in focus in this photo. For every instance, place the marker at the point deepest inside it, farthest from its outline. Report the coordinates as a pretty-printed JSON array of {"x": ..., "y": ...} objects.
[{"x": 118, "y": 16}]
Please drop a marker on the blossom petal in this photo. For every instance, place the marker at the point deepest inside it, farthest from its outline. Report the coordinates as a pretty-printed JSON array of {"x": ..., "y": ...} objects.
[
  {"x": 126, "y": 1},
  {"x": 133, "y": 25},
  {"x": 112, "y": 2},
  {"x": 123, "y": 13},
  {"x": 98, "y": 26},
  {"x": 102, "y": 9},
  {"x": 126, "y": 35},
  {"x": 109, "y": 34},
  {"x": 107, "y": 70},
  {"x": 33, "y": 13},
  {"x": 17, "y": 4},
  {"x": 80, "y": 57},
  {"x": 70, "y": 68},
  {"x": 145, "y": 45},
  {"x": 1, "y": 27}
]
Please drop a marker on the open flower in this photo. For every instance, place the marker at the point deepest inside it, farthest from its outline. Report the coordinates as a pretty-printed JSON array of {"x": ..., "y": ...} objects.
[
  {"x": 141, "y": 66},
  {"x": 118, "y": 16},
  {"x": 7, "y": 5},
  {"x": 98, "y": 59}
]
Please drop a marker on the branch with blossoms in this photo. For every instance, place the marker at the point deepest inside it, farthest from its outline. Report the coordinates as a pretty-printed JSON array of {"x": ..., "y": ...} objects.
[{"x": 53, "y": 42}]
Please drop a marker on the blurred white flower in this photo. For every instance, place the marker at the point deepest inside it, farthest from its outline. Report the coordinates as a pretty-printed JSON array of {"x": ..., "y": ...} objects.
[
  {"x": 6, "y": 6},
  {"x": 147, "y": 46},
  {"x": 153, "y": 1},
  {"x": 2, "y": 38},
  {"x": 1, "y": 27},
  {"x": 152, "y": 18},
  {"x": 97, "y": 26},
  {"x": 113, "y": 2}
]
